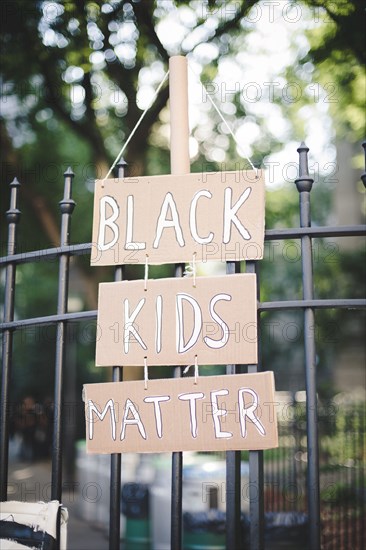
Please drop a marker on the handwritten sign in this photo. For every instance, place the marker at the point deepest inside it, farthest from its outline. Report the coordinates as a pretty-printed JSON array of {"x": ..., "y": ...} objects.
[
  {"x": 219, "y": 413},
  {"x": 174, "y": 321},
  {"x": 214, "y": 216}
]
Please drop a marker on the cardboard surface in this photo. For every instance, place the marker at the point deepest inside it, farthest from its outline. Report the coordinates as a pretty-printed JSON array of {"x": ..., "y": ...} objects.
[
  {"x": 172, "y": 321},
  {"x": 219, "y": 413},
  {"x": 171, "y": 218}
]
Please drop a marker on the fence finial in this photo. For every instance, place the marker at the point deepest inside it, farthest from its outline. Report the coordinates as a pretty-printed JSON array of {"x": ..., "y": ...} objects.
[
  {"x": 304, "y": 182},
  {"x": 13, "y": 214},
  {"x": 363, "y": 176},
  {"x": 67, "y": 205},
  {"x": 121, "y": 167},
  {"x": 15, "y": 183},
  {"x": 69, "y": 172}
]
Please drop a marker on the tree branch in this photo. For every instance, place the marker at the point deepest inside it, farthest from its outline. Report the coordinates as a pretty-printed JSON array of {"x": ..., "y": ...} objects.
[
  {"x": 144, "y": 16},
  {"x": 232, "y": 23},
  {"x": 228, "y": 25}
]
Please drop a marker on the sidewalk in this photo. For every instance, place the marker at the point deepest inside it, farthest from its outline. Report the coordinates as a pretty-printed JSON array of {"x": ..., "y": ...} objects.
[{"x": 31, "y": 482}]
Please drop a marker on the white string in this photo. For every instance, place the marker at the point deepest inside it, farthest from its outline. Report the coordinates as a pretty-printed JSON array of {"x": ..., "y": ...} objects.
[
  {"x": 230, "y": 130},
  {"x": 194, "y": 269},
  {"x": 137, "y": 125},
  {"x": 196, "y": 369},
  {"x": 146, "y": 272},
  {"x": 148, "y": 107},
  {"x": 146, "y": 373},
  {"x": 225, "y": 122}
]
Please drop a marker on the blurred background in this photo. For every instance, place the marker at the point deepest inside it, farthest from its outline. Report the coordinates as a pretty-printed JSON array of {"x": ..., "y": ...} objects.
[{"x": 75, "y": 77}]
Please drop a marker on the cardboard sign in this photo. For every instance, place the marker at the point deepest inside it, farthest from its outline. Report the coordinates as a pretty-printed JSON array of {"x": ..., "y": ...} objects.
[
  {"x": 219, "y": 413},
  {"x": 214, "y": 216},
  {"x": 174, "y": 321}
]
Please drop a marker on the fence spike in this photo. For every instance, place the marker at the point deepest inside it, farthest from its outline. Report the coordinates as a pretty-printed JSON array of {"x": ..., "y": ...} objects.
[
  {"x": 304, "y": 182},
  {"x": 67, "y": 204},
  {"x": 121, "y": 167},
  {"x": 15, "y": 183},
  {"x": 12, "y": 218},
  {"x": 69, "y": 172},
  {"x": 13, "y": 214},
  {"x": 116, "y": 459}
]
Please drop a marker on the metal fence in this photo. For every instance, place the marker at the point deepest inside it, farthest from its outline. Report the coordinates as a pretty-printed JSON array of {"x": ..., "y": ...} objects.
[{"x": 264, "y": 475}]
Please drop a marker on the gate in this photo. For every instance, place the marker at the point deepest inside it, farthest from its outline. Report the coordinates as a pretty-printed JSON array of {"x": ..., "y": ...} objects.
[{"x": 305, "y": 233}]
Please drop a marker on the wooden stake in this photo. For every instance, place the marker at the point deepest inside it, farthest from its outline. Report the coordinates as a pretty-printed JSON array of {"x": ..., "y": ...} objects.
[
  {"x": 179, "y": 127},
  {"x": 179, "y": 164}
]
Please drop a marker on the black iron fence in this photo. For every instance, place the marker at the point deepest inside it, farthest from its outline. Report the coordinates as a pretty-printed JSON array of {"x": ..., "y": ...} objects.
[{"x": 293, "y": 478}]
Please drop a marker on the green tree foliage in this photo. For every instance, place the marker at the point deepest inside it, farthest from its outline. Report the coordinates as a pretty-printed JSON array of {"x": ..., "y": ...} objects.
[
  {"x": 339, "y": 57},
  {"x": 71, "y": 73}
]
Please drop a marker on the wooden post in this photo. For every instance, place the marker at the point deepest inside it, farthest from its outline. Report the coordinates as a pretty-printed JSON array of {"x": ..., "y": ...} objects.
[
  {"x": 179, "y": 127},
  {"x": 179, "y": 164}
]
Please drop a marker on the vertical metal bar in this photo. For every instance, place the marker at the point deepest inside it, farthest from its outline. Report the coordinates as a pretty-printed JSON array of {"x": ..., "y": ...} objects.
[
  {"x": 256, "y": 476},
  {"x": 354, "y": 477},
  {"x": 256, "y": 491},
  {"x": 177, "y": 473},
  {"x": 361, "y": 432},
  {"x": 116, "y": 458},
  {"x": 361, "y": 526},
  {"x": 304, "y": 184},
  {"x": 67, "y": 206},
  {"x": 233, "y": 492},
  {"x": 233, "y": 478},
  {"x": 12, "y": 218},
  {"x": 180, "y": 164},
  {"x": 361, "y": 538},
  {"x": 349, "y": 508}
]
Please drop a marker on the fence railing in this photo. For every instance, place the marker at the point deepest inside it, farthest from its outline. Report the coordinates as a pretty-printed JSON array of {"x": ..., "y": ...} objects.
[{"x": 260, "y": 478}]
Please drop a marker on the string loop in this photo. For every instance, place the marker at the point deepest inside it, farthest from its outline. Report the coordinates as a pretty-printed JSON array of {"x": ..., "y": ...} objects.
[
  {"x": 196, "y": 369},
  {"x": 146, "y": 373},
  {"x": 146, "y": 272}
]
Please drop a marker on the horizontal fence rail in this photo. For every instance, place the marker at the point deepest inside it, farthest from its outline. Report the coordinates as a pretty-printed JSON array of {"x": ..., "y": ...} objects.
[{"x": 343, "y": 303}]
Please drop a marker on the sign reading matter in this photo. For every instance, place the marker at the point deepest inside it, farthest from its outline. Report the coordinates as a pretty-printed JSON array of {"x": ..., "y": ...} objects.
[
  {"x": 172, "y": 322},
  {"x": 214, "y": 216},
  {"x": 219, "y": 413}
]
